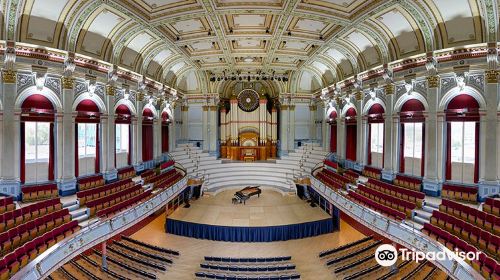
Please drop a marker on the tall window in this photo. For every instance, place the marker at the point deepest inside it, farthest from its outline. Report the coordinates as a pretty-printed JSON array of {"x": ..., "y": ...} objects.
[
  {"x": 37, "y": 141},
  {"x": 463, "y": 156},
  {"x": 122, "y": 138},
  {"x": 413, "y": 143},
  {"x": 87, "y": 139},
  {"x": 377, "y": 137}
]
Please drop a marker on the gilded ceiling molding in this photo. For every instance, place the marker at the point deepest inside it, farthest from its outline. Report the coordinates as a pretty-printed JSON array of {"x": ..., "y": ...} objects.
[
  {"x": 381, "y": 44},
  {"x": 422, "y": 18},
  {"x": 489, "y": 13},
  {"x": 121, "y": 40},
  {"x": 79, "y": 19},
  {"x": 14, "y": 11},
  {"x": 332, "y": 67},
  {"x": 153, "y": 52}
]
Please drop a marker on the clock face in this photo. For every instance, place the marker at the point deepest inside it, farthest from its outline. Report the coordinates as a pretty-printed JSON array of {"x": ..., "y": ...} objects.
[{"x": 248, "y": 100}]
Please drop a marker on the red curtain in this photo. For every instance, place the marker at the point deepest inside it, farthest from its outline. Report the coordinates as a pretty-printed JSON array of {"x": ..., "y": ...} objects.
[
  {"x": 476, "y": 154},
  {"x": 51, "y": 152},
  {"x": 333, "y": 138},
  {"x": 147, "y": 142},
  {"x": 77, "y": 160},
  {"x": 23, "y": 155},
  {"x": 402, "y": 149},
  {"x": 164, "y": 138},
  {"x": 97, "y": 149},
  {"x": 448, "y": 151},
  {"x": 422, "y": 163},
  {"x": 351, "y": 142}
]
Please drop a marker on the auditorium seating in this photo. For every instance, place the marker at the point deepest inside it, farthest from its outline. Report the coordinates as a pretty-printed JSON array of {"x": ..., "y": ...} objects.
[
  {"x": 167, "y": 164},
  {"x": 408, "y": 182},
  {"x": 351, "y": 175},
  {"x": 25, "y": 214},
  {"x": 129, "y": 267},
  {"x": 39, "y": 192},
  {"x": 90, "y": 182},
  {"x": 474, "y": 216},
  {"x": 125, "y": 173},
  {"x": 456, "y": 192},
  {"x": 491, "y": 205},
  {"x": 388, "y": 200},
  {"x": 372, "y": 172},
  {"x": 124, "y": 204},
  {"x": 247, "y": 268},
  {"x": 331, "y": 164},
  {"x": 113, "y": 199},
  {"x": 402, "y": 193},
  {"x": 166, "y": 179},
  {"x": 332, "y": 178},
  {"x": 6, "y": 204},
  {"x": 106, "y": 190},
  {"x": 345, "y": 247},
  {"x": 146, "y": 246},
  {"x": 148, "y": 175},
  {"x": 391, "y": 213}
]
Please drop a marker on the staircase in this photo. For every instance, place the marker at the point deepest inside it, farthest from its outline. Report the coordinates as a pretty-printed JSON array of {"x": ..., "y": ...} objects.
[{"x": 222, "y": 174}]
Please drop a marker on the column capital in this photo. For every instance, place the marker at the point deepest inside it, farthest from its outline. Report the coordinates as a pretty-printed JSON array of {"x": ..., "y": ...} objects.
[
  {"x": 284, "y": 107},
  {"x": 184, "y": 108},
  {"x": 433, "y": 81},
  {"x": 291, "y": 107},
  {"x": 9, "y": 76},
  {"x": 110, "y": 90},
  {"x": 389, "y": 89},
  {"x": 205, "y": 108},
  {"x": 67, "y": 82},
  {"x": 359, "y": 95},
  {"x": 313, "y": 107},
  {"x": 491, "y": 76}
]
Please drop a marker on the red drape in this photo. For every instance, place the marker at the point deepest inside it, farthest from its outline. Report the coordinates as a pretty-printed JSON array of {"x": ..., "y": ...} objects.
[
  {"x": 164, "y": 138},
  {"x": 51, "y": 152},
  {"x": 476, "y": 154},
  {"x": 147, "y": 142},
  {"x": 402, "y": 149},
  {"x": 97, "y": 149},
  {"x": 23, "y": 155},
  {"x": 77, "y": 159},
  {"x": 351, "y": 142},
  {"x": 333, "y": 138},
  {"x": 448, "y": 151}
]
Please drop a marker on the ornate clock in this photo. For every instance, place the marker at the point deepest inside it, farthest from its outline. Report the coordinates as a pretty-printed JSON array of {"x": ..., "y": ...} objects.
[{"x": 248, "y": 100}]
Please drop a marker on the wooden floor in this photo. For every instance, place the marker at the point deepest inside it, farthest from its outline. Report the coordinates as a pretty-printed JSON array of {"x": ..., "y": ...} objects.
[
  {"x": 270, "y": 209},
  {"x": 304, "y": 252}
]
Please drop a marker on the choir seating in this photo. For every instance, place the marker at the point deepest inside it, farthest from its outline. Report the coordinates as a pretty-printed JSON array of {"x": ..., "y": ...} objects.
[
  {"x": 148, "y": 247},
  {"x": 492, "y": 206},
  {"x": 84, "y": 196},
  {"x": 7, "y": 204},
  {"x": 125, "y": 173},
  {"x": 456, "y": 192},
  {"x": 388, "y": 200},
  {"x": 372, "y": 172},
  {"x": 351, "y": 175},
  {"x": 39, "y": 192},
  {"x": 402, "y": 193},
  {"x": 90, "y": 182},
  {"x": 408, "y": 182},
  {"x": 113, "y": 199},
  {"x": 391, "y": 213},
  {"x": 474, "y": 216}
]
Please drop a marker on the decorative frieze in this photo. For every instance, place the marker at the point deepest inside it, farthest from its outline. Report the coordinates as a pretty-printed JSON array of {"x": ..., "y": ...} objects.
[
  {"x": 24, "y": 81},
  {"x": 359, "y": 95},
  {"x": 389, "y": 89},
  {"x": 54, "y": 84}
]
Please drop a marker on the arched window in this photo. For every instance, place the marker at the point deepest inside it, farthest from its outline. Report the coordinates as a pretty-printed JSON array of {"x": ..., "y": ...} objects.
[
  {"x": 123, "y": 136},
  {"x": 87, "y": 138},
  {"x": 37, "y": 139},
  {"x": 462, "y": 138},
  {"x": 333, "y": 131},
  {"x": 164, "y": 132},
  {"x": 351, "y": 134},
  {"x": 147, "y": 135},
  {"x": 412, "y": 138},
  {"x": 376, "y": 136}
]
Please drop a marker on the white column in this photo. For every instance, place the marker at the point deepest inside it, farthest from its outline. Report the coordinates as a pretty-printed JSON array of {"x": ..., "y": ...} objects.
[
  {"x": 312, "y": 123},
  {"x": 389, "y": 130},
  {"x": 111, "y": 173},
  {"x": 361, "y": 133},
  {"x": 341, "y": 137},
  {"x": 66, "y": 159},
  {"x": 185, "y": 121},
  {"x": 205, "y": 128},
  {"x": 291, "y": 134},
  {"x": 223, "y": 125},
  {"x": 285, "y": 129},
  {"x": 157, "y": 138},
  {"x": 213, "y": 128},
  {"x": 10, "y": 162},
  {"x": 137, "y": 139},
  {"x": 432, "y": 180},
  {"x": 324, "y": 128}
]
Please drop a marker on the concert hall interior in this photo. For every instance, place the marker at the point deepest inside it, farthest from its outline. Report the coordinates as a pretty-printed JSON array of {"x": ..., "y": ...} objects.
[{"x": 249, "y": 140}]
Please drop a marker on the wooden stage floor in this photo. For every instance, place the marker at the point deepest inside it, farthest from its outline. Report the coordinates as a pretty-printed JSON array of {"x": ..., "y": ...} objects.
[{"x": 270, "y": 209}]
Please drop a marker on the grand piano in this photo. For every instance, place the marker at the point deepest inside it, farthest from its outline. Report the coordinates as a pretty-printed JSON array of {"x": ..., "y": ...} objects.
[{"x": 247, "y": 192}]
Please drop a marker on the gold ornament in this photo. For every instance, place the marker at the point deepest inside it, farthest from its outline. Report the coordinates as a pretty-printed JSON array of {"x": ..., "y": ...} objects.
[
  {"x": 67, "y": 82},
  {"x": 359, "y": 96},
  {"x": 389, "y": 89},
  {"x": 433, "y": 81},
  {"x": 491, "y": 76},
  {"x": 110, "y": 90},
  {"x": 9, "y": 76}
]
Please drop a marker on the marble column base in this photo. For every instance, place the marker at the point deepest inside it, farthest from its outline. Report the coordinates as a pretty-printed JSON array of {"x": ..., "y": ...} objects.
[
  {"x": 487, "y": 189},
  {"x": 67, "y": 187},
  {"x": 432, "y": 187},
  {"x": 388, "y": 176},
  {"x": 111, "y": 175},
  {"x": 11, "y": 188}
]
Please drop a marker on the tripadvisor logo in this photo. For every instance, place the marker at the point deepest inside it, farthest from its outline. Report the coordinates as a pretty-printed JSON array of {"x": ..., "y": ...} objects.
[{"x": 387, "y": 255}]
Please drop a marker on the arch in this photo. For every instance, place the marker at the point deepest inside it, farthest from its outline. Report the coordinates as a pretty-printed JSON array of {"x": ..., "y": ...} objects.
[
  {"x": 331, "y": 111},
  {"x": 94, "y": 98},
  {"x": 452, "y": 93},
  {"x": 49, "y": 94},
  {"x": 376, "y": 109},
  {"x": 37, "y": 101},
  {"x": 152, "y": 110},
  {"x": 165, "y": 116},
  {"x": 128, "y": 104},
  {"x": 371, "y": 103},
  {"x": 412, "y": 96},
  {"x": 349, "y": 111}
]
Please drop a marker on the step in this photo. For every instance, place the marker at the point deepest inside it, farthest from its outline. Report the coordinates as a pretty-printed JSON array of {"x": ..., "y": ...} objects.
[
  {"x": 432, "y": 204},
  {"x": 239, "y": 185},
  {"x": 70, "y": 203},
  {"x": 419, "y": 220},
  {"x": 79, "y": 212},
  {"x": 73, "y": 207},
  {"x": 429, "y": 209},
  {"x": 423, "y": 214}
]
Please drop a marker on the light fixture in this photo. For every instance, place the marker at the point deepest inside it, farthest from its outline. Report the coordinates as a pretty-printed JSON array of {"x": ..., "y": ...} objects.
[{"x": 248, "y": 59}]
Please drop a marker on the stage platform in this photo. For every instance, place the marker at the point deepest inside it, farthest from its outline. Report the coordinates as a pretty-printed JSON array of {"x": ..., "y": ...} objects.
[{"x": 270, "y": 217}]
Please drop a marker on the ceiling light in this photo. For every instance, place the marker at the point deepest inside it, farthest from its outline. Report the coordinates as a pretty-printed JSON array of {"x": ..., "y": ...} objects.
[{"x": 248, "y": 59}]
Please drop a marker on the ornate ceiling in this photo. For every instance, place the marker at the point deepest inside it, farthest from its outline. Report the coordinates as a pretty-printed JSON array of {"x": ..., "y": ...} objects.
[{"x": 179, "y": 42}]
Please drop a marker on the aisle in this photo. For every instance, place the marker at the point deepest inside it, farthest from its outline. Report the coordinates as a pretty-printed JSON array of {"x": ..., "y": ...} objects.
[{"x": 304, "y": 252}]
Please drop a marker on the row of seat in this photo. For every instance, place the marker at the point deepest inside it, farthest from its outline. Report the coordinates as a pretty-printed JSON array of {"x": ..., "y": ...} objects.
[
  {"x": 331, "y": 164},
  {"x": 411, "y": 183},
  {"x": 474, "y": 235},
  {"x": 351, "y": 175},
  {"x": 159, "y": 178},
  {"x": 125, "y": 173},
  {"x": 247, "y": 268},
  {"x": 142, "y": 252},
  {"x": 372, "y": 172},
  {"x": 344, "y": 247},
  {"x": 7, "y": 204},
  {"x": 337, "y": 177},
  {"x": 392, "y": 213},
  {"x": 485, "y": 265},
  {"x": 458, "y": 192},
  {"x": 124, "y": 204},
  {"x": 130, "y": 268},
  {"x": 322, "y": 175},
  {"x": 39, "y": 192},
  {"x": 248, "y": 260},
  {"x": 17, "y": 259},
  {"x": 492, "y": 206},
  {"x": 141, "y": 261},
  {"x": 170, "y": 181},
  {"x": 210, "y": 275},
  {"x": 95, "y": 193},
  {"x": 474, "y": 216},
  {"x": 90, "y": 182},
  {"x": 405, "y": 194},
  {"x": 148, "y": 175},
  {"x": 22, "y": 233},
  {"x": 22, "y": 215},
  {"x": 388, "y": 200},
  {"x": 112, "y": 199},
  {"x": 151, "y": 247},
  {"x": 167, "y": 164},
  {"x": 363, "y": 250}
]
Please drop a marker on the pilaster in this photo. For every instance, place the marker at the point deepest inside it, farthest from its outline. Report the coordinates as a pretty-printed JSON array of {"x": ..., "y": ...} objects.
[
  {"x": 111, "y": 173},
  {"x": 388, "y": 172},
  {"x": 285, "y": 130},
  {"x": 205, "y": 128},
  {"x": 432, "y": 182},
  {"x": 66, "y": 178}
]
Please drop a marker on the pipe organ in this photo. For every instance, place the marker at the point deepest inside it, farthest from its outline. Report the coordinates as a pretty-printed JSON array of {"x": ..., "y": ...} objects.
[{"x": 248, "y": 127}]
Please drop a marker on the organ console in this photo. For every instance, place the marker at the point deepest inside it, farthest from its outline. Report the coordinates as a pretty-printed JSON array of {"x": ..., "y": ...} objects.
[{"x": 246, "y": 193}]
